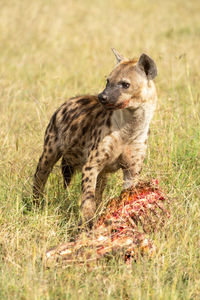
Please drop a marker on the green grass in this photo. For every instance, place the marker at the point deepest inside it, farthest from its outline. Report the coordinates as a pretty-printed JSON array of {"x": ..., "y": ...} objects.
[{"x": 54, "y": 49}]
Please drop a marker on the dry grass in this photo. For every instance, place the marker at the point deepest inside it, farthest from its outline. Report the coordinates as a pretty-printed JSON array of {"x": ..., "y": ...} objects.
[{"x": 51, "y": 50}]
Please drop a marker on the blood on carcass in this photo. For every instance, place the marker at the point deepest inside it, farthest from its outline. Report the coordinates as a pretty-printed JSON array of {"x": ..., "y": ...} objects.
[{"x": 123, "y": 229}]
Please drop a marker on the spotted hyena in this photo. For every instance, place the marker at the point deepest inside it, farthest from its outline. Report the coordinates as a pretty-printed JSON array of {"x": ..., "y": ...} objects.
[{"x": 101, "y": 134}]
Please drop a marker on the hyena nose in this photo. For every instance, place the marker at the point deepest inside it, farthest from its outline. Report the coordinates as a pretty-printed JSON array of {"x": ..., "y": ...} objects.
[{"x": 103, "y": 98}]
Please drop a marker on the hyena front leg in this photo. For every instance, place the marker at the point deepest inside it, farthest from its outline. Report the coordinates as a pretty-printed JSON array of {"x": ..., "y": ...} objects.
[
  {"x": 89, "y": 181},
  {"x": 132, "y": 162},
  {"x": 97, "y": 160},
  {"x": 93, "y": 185},
  {"x": 44, "y": 167},
  {"x": 100, "y": 187}
]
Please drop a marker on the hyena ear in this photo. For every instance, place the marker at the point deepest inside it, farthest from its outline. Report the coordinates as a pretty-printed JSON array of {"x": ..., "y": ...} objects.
[
  {"x": 118, "y": 56},
  {"x": 147, "y": 65}
]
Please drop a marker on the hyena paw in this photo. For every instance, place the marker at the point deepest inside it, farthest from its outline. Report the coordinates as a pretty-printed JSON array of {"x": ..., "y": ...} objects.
[
  {"x": 88, "y": 210},
  {"x": 130, "y": 183}
]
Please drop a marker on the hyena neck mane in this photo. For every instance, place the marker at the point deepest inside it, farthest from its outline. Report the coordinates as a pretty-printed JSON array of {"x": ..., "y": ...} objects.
[{"x": 133, "y": 123}]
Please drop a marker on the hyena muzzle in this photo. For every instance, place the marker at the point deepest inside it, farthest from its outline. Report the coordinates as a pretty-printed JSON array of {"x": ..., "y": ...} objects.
[{"x": 101, "y": 134}]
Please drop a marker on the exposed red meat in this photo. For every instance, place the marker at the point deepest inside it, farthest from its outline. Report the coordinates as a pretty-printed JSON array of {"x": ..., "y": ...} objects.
[{"x": 123, "y": 229}]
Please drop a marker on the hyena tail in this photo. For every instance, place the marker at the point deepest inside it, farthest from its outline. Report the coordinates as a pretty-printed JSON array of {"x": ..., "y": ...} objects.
[
  {"x": 44, "y": 168},
  {"x": 67, "y": 171}
]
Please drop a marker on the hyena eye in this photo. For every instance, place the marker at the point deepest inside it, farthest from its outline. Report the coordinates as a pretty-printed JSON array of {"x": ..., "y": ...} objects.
[{"x": 125, "y": 84}]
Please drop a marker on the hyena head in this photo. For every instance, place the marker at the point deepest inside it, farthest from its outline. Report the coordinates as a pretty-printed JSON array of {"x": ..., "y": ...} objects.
[{"x": 130, "y": 83}]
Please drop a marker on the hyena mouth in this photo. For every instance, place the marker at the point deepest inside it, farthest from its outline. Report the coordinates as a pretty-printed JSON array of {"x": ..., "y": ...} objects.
[{"x": 121, "y": 105}]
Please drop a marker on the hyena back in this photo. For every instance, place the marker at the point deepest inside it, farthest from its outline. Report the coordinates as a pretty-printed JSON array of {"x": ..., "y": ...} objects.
[{"x": 101, "y": 134}]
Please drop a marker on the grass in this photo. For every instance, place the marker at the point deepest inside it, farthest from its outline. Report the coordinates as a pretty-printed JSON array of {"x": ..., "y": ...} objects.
[{"x": 51, "y": 50}]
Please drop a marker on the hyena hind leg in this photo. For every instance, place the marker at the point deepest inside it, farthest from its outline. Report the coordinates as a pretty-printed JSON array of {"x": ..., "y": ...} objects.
[
  {"x": 44, "y": 168},
  {"x": 67, "y": 171}
]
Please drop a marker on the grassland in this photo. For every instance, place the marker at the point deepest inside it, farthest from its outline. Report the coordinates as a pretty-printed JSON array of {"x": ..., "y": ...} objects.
[{"x": 54, "y": 49}]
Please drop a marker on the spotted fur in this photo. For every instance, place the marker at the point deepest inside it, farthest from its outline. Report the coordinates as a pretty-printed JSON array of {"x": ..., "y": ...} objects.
[{"x": 101, "y": 134}]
